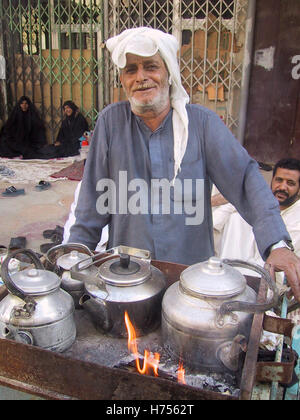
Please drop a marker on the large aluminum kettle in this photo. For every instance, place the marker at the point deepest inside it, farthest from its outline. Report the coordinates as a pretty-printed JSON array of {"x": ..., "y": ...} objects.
[
  {"x": 36, "y": 310},
  {"x": 207, "y": 315},
  {"x": 126, "y": 281}
]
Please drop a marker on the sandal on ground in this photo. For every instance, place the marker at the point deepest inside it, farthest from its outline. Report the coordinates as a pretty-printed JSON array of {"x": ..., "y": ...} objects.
[
  {"x": 17, "y": 243},
  {"x": 48, "y": 233},
  {"x": 56, "y": 239},
  {"x": 12, "y": 192},
  {"x": 43, "y": 185}
]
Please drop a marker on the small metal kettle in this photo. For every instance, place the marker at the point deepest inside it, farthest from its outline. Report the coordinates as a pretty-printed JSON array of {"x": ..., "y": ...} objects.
[
  {"x": 36, "y": 311},
  {"x": 207, "y": 315},
  {"x": 61, "y": 258},
  {"x": 126, "y": 281}
]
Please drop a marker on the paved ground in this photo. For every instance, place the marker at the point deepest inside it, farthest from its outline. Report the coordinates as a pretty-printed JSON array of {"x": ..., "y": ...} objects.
[{"x": 30, "y": 214}]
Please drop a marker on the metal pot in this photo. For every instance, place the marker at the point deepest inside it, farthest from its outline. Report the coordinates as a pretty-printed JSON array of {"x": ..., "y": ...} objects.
[
  {"x": 126, "y": 282},
  {"x": 36, "y": 311},
  {"x": 61, "y": 258},
  {"x": 207, "y": 315}
]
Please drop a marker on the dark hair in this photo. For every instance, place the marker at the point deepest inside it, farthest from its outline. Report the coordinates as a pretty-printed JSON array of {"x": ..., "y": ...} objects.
[
  {"x": 288, "y": 163},
  {"x": 14, "y": 122},
  {"x": 71, "y": 105},
  {"x": 24, "y": 99}
]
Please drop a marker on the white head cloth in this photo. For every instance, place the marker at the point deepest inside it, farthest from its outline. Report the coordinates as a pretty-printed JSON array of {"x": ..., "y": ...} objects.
[{"x": 146, "y": 42}]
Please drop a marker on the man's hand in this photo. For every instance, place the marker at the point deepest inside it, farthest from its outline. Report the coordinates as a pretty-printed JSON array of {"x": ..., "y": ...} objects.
[{"x": 283, "y": 259}]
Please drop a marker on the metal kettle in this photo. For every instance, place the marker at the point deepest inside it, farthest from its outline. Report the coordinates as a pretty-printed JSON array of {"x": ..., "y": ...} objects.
[
  {"x": 61, "y": 258},
  {"x": 36, "y": 310},
  {"x": 125, "y": 281},
  {"x": 207, "y": 315}
]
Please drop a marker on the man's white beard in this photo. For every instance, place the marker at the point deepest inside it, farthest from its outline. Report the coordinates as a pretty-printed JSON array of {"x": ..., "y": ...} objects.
[{"x": 155, "y": 105}]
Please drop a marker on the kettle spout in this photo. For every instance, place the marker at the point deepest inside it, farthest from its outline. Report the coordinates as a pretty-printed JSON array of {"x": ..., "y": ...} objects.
[
  {"x": 12, "y": 333},
  {"x": 228, "y": 353}
]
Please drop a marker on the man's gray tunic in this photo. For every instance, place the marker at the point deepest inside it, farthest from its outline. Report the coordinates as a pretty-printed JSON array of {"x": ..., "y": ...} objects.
[{"x": 122, "y": 142}]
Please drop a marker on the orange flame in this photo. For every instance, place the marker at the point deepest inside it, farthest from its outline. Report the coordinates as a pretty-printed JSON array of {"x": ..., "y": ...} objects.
[
  {"x": 150, "y": 360},
  {"x": 181, "y": 374}
]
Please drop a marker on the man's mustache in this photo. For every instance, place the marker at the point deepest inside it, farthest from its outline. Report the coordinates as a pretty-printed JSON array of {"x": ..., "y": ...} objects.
[{"x": 281, "y": 192}]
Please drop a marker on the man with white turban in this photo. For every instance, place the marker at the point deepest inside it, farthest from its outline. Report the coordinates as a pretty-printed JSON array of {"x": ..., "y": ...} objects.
[{"x": 153, "y": 159}]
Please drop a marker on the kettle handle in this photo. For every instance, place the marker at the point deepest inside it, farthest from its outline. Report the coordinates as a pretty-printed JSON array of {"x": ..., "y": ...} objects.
[
  {"x": 58, "y": 250},
  {"x": 239, "y": 306},
  {"x": 30, "y": 303}
]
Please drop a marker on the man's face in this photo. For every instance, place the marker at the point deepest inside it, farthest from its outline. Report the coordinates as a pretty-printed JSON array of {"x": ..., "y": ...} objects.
[
  {"x": 285, "y": 186},
  {"x": 145, "y": 81}
]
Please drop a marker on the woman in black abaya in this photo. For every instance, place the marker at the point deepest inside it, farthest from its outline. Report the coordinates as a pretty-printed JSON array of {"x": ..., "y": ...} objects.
[
  {"x": 24, "y": 133},
  {"x": 72, "y": 128}
]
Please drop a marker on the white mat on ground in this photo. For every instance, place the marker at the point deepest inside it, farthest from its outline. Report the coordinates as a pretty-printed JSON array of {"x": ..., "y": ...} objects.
[{"x": 32, "y": 171}]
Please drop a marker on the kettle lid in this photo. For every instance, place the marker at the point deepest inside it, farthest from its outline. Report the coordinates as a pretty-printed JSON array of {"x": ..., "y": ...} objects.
[
  {"x": 213, "y": 279},
  {"x": 36, "y": 282},
  {"x": 67, "y": 261},
  {"x": 125, "y": 271}
]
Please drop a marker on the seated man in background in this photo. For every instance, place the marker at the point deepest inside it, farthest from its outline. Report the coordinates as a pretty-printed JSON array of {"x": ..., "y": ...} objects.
[{"x": 236, "y": 239}]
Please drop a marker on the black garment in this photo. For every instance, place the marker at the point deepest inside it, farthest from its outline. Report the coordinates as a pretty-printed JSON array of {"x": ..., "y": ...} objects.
[
  {"x": 72, "y": 128},
  {"x": 23, "y": 133}
]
